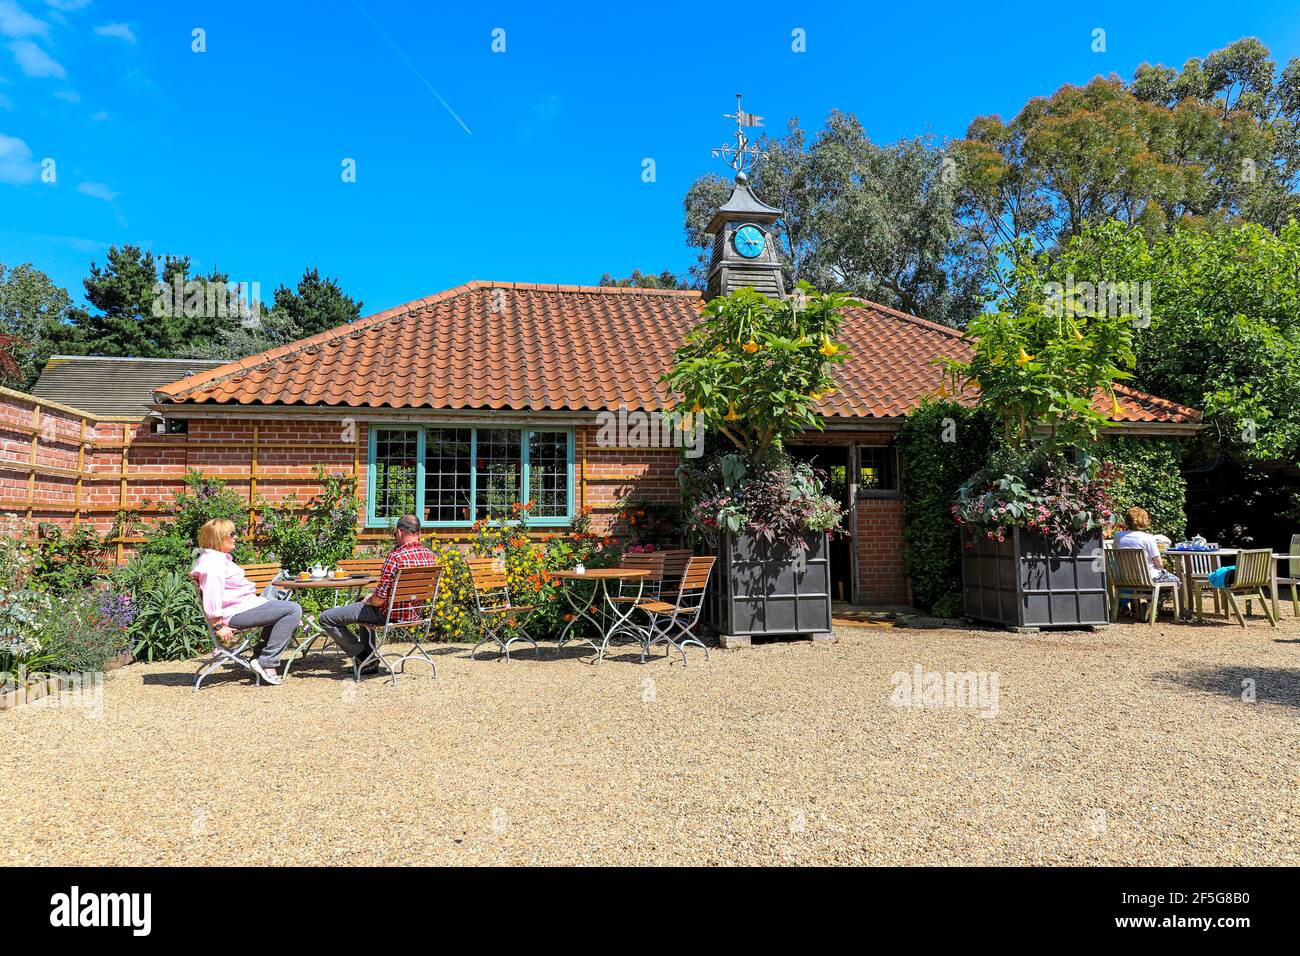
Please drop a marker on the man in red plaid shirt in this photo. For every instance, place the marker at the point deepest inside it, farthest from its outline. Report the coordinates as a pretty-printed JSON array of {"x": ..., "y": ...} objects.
[{"x": 337, "y": 621}]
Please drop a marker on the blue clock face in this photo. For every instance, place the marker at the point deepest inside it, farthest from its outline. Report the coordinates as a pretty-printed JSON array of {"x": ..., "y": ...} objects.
[{"x": 750, "y": 241}]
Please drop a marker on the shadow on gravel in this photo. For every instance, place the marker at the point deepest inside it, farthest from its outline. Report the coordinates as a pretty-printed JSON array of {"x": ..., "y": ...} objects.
[{"x": 1271, "y": 685}]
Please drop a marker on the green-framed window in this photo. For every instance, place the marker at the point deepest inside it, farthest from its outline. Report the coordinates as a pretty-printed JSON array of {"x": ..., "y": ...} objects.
[{"x": 452, "y": 476}]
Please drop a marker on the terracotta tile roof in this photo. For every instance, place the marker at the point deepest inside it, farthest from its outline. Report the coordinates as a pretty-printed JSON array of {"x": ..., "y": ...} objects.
[{"x": 525, "y": 347}]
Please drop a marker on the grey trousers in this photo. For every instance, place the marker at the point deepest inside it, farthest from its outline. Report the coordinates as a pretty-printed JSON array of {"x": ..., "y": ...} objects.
[
  {"x": 337, "y": 623},
  {"x": 278, "y": 620}
]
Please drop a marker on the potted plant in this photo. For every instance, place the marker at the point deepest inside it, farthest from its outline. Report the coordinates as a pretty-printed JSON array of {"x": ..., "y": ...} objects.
[
  {"x": 1033, "y": 519},
  {"x": 756, "y": 368}
]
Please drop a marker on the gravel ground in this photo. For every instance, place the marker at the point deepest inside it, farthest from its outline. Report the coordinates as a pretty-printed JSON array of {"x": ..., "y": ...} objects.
[{"x": 1129, "y": 747}]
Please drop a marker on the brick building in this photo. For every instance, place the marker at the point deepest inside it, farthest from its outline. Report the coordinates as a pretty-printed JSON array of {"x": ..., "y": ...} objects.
[{"x": 491, "y": 392}]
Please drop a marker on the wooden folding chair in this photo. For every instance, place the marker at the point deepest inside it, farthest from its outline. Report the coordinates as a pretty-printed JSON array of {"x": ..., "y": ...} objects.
[
  {"x": 672, "y": 624},
  {"x": 361, "y": 565},
  {"x": 675, "y": 561},
  {"x": 414, "y": 592},
  {"x": 262, "y": 576},
  {"x": 1254, "y": 574},
  {"x": 1129, "y": 571},
  {"x": 497, "y": 615}
]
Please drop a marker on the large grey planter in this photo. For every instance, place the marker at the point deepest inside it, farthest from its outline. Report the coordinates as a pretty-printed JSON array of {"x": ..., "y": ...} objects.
[
  {"x": 1029, "y": 581},
  {"x": 759, "y": 589}
]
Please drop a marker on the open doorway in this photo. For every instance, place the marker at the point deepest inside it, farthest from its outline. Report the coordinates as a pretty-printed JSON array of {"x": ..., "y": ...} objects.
[{"x": 834, "y": 461}]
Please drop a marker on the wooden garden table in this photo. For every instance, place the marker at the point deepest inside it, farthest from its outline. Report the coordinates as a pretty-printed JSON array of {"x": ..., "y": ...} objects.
[
  {"x": 599, "y": 579},
  {"x": 351, "y": 582}
]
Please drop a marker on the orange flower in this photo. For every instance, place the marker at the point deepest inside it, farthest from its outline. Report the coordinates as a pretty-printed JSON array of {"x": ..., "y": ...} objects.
[
  {"x": 570, "y": 617},
  {"x": 828, "y": 348},
  {"x": 751, "y": 346}
]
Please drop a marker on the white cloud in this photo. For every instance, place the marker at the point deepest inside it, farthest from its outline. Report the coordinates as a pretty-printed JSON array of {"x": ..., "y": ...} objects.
[
  {"x": 97, "y": 191},
  {"x": 16, "y": 22},
  {"x": 67, "y": 4},
  {"x": 16, "y": 164},
  {"x": 34, "y": 61},
  {"x": 121, "y": 31},
  {"x": 68, "y": 96}
]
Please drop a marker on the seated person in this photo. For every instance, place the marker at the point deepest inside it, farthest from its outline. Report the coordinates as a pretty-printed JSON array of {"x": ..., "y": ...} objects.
[
  {"x": 337, "y": 622},
  {"x": 1138, "y": 536},
  {"x": 231, "y": 601}
]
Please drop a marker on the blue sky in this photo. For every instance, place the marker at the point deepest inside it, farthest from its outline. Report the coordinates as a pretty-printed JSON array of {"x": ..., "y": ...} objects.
[{"x": 524, "y": 165}]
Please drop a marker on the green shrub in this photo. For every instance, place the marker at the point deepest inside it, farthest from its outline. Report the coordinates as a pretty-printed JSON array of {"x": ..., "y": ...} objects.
[
  {"x": 85, "y": 630},
  {"x": 942, "y": 444},
  {"x": 324, "y": 531},
  {"x": 64, "y": 561},
  {"x": 168, "y": 624},
  {"x": 1150, "y": 478},
  {"x": 173, "y": 542}
]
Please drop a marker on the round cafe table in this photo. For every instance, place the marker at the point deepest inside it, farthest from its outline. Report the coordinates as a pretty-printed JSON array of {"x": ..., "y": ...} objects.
[
  {"x": 619, "y": 614},
  {"x": 339, "y": 587}
]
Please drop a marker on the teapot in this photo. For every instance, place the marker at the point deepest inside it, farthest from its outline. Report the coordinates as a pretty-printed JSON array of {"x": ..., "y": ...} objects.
[{"x": 318, "y": 571}]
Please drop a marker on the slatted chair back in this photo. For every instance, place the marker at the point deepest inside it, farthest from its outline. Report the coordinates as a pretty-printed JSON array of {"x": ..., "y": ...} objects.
[
  {"x": 652, "y": 583},
  {"x": 695, "y": 581},
  {"x": 361, "y": 565},
  {"x": 1129, "y": 568},
  {"x": 675, "y": 561},
  {"x": 416, "y": 591},
  {"x": 1199, "y": 563},
  {"x": 261, "y": 574},
  {"x": 491, "y": 588},
  {"x": 1294, "y": 569},
  {"x": 1254, "y": 569}
]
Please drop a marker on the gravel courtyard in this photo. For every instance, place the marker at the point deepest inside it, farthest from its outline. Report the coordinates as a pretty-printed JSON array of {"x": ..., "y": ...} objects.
[{"x": 1129, "y": 747}]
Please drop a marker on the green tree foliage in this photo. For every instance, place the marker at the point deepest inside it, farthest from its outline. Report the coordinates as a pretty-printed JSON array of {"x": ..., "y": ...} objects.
[
  {"x": 646, "y": 280},
  {"x": 129, "y": 316},
  {"x": 1212, "y": 145},
  {"x": 756, "y": 367},
  {"x": 316, "y": 305},
  {"x": 873, "y": 221},
  {"x": 1041, "y": 359},
  {"x": 1224, "y": 334},
  {"x": 942, "y": 444},
  {"x": 32, "y": 312}
]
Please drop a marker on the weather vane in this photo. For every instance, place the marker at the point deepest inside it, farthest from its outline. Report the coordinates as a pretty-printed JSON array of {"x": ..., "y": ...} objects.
[{"x": 741, "y": 154}]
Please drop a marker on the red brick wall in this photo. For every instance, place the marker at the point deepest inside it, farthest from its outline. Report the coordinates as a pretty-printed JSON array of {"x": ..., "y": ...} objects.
[{"x": 223, "y": 448}]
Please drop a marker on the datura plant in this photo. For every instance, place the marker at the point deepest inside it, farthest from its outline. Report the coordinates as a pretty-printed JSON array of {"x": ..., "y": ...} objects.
[
  {"x": 757, "y": 368},
  {"x": 1046, "y": 357}
]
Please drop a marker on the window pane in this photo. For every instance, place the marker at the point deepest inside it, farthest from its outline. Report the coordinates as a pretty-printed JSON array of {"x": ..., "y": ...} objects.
[
  {"x": 548, "y": 474},
  {"x": 498, "y": 472},
  {"x": 447, "y": 474},
  {"x": 395, "y": 464},
  {"x": 879, "y": 469}
]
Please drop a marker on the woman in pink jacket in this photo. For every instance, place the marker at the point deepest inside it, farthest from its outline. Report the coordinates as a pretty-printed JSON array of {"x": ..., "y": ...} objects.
[{"x": 231, "y": 601}]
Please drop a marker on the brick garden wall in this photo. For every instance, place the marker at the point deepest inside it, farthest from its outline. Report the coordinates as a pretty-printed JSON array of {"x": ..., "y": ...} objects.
[{"x": 60, "y": 466}]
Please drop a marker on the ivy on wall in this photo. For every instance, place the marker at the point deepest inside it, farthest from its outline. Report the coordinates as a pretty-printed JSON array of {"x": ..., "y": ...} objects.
[
  {"x": 1150, "y": 478},
  {"x": 942, "y": 444}
]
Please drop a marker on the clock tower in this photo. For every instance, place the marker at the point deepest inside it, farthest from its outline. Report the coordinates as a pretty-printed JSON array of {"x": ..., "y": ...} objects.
[{"x": 744, "y": 249}]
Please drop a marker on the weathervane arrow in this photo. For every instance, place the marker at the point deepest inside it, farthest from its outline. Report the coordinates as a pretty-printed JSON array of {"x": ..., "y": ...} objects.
[{"x": 741, "y": 154}]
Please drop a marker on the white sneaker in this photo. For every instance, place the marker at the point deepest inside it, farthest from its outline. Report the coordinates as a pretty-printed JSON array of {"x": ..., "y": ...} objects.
[{"x": 271, "y": 677}]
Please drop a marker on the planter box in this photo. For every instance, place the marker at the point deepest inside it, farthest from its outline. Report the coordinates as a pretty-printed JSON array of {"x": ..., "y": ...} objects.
[
  {"x": 1029, "y": 581},
  {"x": 759, "y": 589}
]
